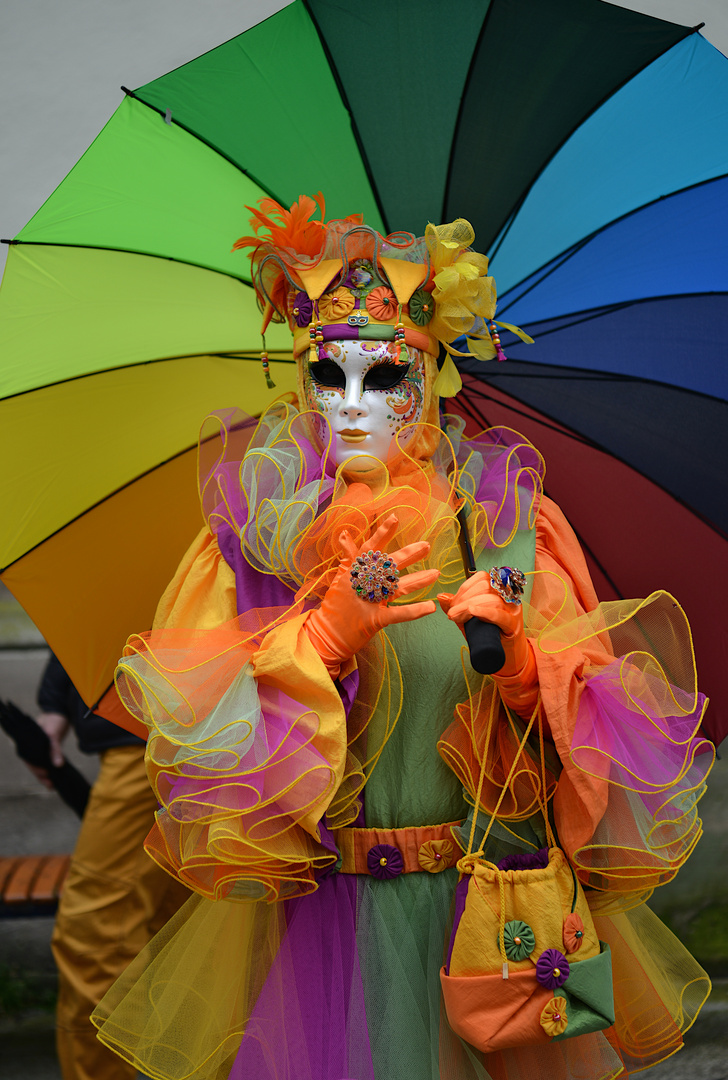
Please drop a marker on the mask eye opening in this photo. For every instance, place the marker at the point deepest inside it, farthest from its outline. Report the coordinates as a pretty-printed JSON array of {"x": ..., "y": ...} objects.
[
  {"x": 385, "y": 376},
  {"x": 327, "y": 374}
]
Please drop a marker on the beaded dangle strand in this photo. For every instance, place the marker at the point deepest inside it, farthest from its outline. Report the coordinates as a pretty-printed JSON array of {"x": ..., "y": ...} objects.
[
  {"x": 495, "y": 338},
  {"x": 399, "y": 334},
  {"x": 315, "y": 334},
  {"x": 266, "y": 366}
]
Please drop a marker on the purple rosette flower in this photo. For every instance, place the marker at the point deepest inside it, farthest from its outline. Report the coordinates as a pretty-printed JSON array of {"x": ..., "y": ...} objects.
[
  {"x": 552, "y": 969},
  {"x": 384, "y": 861},
  {"x": 302, "y": 309},
  {"x": 527, "y": 860}
]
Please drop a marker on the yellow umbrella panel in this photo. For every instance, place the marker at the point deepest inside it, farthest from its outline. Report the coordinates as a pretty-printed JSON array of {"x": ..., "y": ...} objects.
[{"x": 100, "y": 496}]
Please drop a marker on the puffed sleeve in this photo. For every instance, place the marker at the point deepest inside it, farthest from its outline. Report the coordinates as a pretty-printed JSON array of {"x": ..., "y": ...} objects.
[
  {"x": 619, "y": 692},
  {"x": 247, "y": 738}
]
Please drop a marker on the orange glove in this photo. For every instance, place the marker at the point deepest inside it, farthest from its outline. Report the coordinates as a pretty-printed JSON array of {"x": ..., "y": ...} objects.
[
  {"x": 518, "y": 678},
  {"x": 344, "y": 623}
]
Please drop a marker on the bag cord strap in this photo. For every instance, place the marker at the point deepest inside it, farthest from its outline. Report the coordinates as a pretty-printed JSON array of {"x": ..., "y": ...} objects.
[{"x": 543, "y": 805}]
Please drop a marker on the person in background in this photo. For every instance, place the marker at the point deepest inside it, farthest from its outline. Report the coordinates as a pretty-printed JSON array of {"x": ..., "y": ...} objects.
[{"x": 115, "y": 898}]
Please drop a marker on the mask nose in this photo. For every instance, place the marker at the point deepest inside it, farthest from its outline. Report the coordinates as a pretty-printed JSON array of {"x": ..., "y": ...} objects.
[{"x": 353, "y": 407}]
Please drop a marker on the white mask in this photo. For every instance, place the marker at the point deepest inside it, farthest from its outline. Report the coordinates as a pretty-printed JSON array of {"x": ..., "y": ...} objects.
[{"x": 366, "y": 397}]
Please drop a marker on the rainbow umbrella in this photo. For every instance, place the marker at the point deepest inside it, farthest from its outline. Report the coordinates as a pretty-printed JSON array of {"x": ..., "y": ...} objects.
[{"x": 125, "y": 318}]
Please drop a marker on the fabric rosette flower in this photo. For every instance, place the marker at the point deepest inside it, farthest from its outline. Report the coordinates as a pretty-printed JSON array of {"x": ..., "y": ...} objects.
[
  {"x": 573, "y": 932},
  {"x": 519, "y": 940},
  {"x": 384, "y": 861},
  {"x": 553, "y": 1017},
  {"x": 302, "y": 309},
  {"x": 552, "y": 969},
  {"x": 382, "y": 304},
  {"x": 435, "y": 855},
  {"x": 421, "y": 307},
  {"x": 336, "y": 305}
]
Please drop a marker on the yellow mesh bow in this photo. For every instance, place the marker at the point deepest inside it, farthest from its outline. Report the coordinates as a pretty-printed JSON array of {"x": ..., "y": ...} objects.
[{"x": 465, "y": 299}]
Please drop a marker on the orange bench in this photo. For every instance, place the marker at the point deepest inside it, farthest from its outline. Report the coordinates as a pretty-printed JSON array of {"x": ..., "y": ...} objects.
[{"x": 31, "y": 884}]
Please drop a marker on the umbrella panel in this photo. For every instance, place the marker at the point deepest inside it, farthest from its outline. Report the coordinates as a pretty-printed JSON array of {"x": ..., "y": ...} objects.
[
  {"x": 665, "y": 131},
  {"x": 93, "y": 583},
  {"x": 68, "y": 311},
  {"x": 150, "y": 187},
  {"x": 85, "y": 438},
  {"x": 676, "y": 438},
  {"x": 268, "y": 102}
]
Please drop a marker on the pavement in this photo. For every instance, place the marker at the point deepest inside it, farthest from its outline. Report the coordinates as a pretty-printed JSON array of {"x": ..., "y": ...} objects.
[{"x": 35, "y": 821}]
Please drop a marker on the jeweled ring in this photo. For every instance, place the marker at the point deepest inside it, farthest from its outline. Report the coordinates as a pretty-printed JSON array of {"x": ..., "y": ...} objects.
[
  {"x": 508, "y": 582},
  {"x": 374, "y": 576}
]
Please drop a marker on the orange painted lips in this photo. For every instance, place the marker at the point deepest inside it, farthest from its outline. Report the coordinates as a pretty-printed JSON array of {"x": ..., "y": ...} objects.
[{"x": 352, "y": 435}]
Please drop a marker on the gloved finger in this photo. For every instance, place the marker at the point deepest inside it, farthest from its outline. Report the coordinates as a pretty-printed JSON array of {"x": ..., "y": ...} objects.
[
  {"x": 410, "y": 553},
  {"x": 348, "y": 546},
  {"x": 382, "y": 535},
  {"x": 418, "y": 580},
  {"x": 445, "y": 600},
  {"x": 478, "y": 583},
  {"x": 408, "y": 612},
  {"x": 488, "y": 608}
]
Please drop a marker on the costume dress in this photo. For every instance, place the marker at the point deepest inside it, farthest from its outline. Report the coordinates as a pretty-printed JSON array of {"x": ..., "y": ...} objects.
[{"x": 304, "y": 956}]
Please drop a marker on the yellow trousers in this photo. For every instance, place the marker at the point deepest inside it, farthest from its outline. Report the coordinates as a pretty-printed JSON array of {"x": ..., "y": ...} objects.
[{"x": 114, "y": 900}]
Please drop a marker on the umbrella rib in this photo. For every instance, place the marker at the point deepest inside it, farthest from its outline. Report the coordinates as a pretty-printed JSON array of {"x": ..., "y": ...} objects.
[
  {"x": 345, "y": 102},
  {"x": 205, "y": 142},
  {"x": 100, "y": 502},
  {"x": 461, "y": 106},
  {"x": 475, "y": 414},
  {"x": 506, "y": 225},
  {"x": 129, "y": 251},
  {"x": 547, "y": 268},
  {"x": 570, "y": 433},
  {"x": 608, "y": 376},
  {"x": 145, "y": 363}
]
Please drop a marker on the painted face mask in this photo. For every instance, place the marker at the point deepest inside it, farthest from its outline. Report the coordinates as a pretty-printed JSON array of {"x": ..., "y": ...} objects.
[{"x": 366, "y": 397}]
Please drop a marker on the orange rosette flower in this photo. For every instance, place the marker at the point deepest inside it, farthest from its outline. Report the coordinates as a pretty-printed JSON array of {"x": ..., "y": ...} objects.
[
  {"x": 573, "y": 932},
  {"x": 336, "y": 305},
  {"x": 382, "y": 304},
  {"x": 435, "y": 855},
  {"x": 554, "y": 1018}
]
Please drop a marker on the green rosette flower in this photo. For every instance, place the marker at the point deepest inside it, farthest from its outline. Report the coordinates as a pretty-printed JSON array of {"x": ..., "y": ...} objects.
[
  {"x": 518, "y": 939},
  {"x": 421, "y": 307}
]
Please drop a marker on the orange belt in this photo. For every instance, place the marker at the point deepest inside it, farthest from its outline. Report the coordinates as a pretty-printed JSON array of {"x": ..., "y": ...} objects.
[{"x": 386, "y": 853}]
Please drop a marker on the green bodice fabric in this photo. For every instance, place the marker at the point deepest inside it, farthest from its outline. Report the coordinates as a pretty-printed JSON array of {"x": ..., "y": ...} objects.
[{"x": 411, "y": 785}]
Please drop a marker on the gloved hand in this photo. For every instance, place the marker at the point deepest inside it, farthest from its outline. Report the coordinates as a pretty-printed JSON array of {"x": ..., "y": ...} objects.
[
  {"x": 344, "y": 623},
  {"x": 518, "y": 678}
]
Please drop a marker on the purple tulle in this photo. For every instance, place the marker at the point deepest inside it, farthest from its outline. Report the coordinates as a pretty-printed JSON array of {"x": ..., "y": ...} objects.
[
  {"x": 527, "y": 860},
  {"x": 309, "y": 1022},
  {"x": 511, "y": 469}
]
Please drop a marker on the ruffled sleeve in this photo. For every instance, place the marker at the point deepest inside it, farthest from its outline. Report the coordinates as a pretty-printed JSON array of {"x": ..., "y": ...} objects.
[
  {"x": 619, "y": 698},
  {"x": 202, "y": 591},
  {"x": 247, "y": 738},
  {"x": 619, "y": 689}
]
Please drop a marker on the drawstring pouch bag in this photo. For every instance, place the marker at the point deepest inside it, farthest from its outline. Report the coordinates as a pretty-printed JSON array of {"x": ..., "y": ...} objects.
[{"x": 525, "y": 965}]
